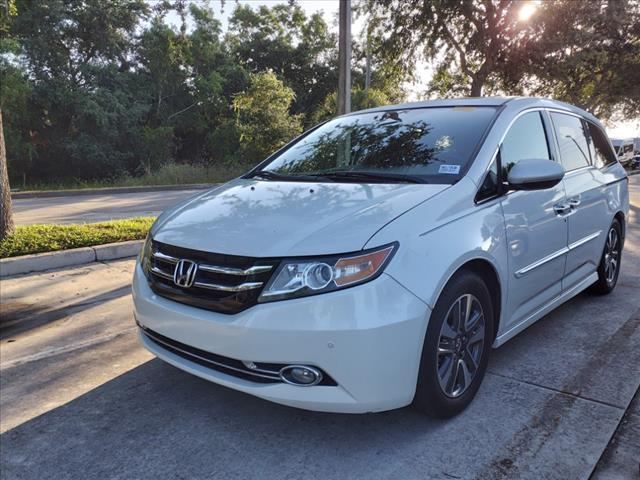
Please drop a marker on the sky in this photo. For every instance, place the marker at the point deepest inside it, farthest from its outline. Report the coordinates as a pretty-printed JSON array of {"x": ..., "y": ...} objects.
[{"x": 329, "y": 10}]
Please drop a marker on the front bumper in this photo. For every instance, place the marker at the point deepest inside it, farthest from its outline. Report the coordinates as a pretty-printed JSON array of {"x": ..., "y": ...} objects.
[{"x": 367, "y": 338}]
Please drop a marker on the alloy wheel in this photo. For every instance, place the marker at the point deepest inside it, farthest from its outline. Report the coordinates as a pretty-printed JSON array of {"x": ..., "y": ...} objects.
[
  {"x": 611, "y": 255},
  {"x": 460, "y": 345}
]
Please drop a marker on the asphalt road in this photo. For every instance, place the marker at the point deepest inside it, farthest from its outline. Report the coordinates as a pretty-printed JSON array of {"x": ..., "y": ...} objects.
[
  {"x": 95, "y": 208},
  {"x": 81, "y": 399}
]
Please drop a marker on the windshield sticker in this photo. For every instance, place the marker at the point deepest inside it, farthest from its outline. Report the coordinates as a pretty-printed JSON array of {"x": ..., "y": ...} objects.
[{"x": 450, "y": 169}]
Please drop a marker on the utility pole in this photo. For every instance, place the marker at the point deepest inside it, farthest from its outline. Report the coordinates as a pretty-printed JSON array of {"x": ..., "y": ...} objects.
[
  {"x": 367, "y": 71},
  {"x": 344, "y": 58}
]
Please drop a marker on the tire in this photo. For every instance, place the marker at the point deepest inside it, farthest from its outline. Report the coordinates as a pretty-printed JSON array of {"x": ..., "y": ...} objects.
[
  {"x": 440, "y": 393},
  {"x": 611, "y": 259}
]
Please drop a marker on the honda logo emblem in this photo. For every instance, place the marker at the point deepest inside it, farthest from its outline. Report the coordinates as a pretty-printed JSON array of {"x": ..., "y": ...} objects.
[{"x": 185, "y": 273}]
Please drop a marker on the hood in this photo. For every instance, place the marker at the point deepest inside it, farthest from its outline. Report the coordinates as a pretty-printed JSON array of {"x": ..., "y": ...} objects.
[{"x": 273, "y": 219}]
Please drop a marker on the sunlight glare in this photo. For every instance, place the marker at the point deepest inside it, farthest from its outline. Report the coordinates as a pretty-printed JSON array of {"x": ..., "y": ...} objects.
[{"x": 526, "y": 11}]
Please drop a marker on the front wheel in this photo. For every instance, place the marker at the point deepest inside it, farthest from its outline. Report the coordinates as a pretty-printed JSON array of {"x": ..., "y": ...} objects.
[
  {"x": 609, "y": 267},
  {"x": 456, "y": 347}
]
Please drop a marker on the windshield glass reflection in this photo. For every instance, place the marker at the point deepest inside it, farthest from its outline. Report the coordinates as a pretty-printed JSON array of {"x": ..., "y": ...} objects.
[{"x": 434, "y": 144}]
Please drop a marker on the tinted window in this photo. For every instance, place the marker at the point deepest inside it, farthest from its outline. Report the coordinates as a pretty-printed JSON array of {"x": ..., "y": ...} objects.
[
  {"x": 572, "y": 140},
  {"x": 525, "y": 140},
  {"x": 431, "y": 143},
  {"x": 601, "y": 152}
]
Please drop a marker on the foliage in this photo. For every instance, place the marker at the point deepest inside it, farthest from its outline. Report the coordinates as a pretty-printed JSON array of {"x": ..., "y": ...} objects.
[
  {"x": 167, "y": 174},
  {"x": 360, "y": 100},
  {"x": 586, "y": 53},
  {"x": 104, "y": 92},
  {"x": 264, "y": 121},
  {"x": 47, "y": 238},
  {"x": 296, "y": 48},
  {"x": 96, "y": 91},
  {"x": 466, "y": 39},
  {"x": 593, "y": 62}
]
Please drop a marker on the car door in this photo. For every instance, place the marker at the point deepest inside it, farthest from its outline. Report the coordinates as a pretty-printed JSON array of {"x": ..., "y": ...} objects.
[
  {"x": 585, "y": 184},
  {"x": 535, "y": 223}
]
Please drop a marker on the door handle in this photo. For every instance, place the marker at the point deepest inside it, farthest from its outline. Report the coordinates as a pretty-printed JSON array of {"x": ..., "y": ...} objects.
[
  {"x": 574, "y": 201},
  {"x": 562, "y": 208}
]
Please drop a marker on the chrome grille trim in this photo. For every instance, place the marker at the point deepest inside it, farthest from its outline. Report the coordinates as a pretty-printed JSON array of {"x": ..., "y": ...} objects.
[
  {"x": 216, "y": 269},
  {"x": 226, "y": 288},
  {"x": 223, "y": 283},
  {"x": 165, "y": 258},
  {"x": 161, "y": 273},
  {"x": 235, "y": 271},
  {"x": 212, "y": 286}
]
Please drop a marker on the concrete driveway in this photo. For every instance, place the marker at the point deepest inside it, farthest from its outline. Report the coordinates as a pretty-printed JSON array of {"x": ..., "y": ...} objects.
[
  {"x": 81, "y": 399},
  {"x": 95, "y": 207}
]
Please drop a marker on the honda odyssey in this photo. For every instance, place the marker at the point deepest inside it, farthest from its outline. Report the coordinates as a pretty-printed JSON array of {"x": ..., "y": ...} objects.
[{"x": 376, "y": 260}]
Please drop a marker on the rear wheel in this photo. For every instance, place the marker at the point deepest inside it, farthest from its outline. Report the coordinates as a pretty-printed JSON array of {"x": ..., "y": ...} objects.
[
  {"x": 609, "y": 267},
  {"x": 456, "y": 347}
]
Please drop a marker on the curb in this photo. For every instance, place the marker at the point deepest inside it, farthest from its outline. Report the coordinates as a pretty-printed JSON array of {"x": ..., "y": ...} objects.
[
  {"x": 109, "y": 190},
  {"x": 67, "y": 258}
]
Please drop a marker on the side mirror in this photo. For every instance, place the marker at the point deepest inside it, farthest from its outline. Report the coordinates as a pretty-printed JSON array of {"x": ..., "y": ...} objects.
[{"x": 535, "y": 174}]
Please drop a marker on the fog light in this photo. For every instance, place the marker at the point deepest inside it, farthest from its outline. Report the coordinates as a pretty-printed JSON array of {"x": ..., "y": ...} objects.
[{"x": 300, "y": 375}]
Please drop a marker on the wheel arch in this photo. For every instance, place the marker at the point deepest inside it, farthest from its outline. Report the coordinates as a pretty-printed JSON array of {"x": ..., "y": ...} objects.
[
  {"x": 620, "y": 217},
  {"x": 489, "y": 274}
]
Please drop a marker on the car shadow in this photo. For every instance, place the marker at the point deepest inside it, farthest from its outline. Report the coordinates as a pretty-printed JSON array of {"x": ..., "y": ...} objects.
[{"x": 132, "y": 425}]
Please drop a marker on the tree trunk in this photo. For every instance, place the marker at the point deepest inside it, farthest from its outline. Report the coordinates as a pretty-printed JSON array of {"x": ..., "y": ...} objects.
[
  {"x": 6, "y": 218},
  {"x": 477, "y": 83}
]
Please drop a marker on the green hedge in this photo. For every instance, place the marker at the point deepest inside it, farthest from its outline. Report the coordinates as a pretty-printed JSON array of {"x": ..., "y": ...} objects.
[{"x": 47, "y": 238}]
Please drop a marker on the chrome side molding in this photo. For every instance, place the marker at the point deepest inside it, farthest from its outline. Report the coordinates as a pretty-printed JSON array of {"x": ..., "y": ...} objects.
[{"x": 559, "y": 253}]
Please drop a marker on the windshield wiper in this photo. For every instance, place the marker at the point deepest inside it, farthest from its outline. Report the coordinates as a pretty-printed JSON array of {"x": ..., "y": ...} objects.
[
  {"x": 354, "y": 175},
  {"x": 270, "y": 175},
  {"x": 338, "y": 175}
]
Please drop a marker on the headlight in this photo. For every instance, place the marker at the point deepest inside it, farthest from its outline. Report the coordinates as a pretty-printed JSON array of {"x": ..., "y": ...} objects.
[
  {"x": 145, "y": 255},
  {"x": 302, "y": 277}
]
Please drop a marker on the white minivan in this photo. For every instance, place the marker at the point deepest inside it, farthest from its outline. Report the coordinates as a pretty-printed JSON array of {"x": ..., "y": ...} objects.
[
  {"x": 624, "y": 149},
  {"x": 374, "y": 261}
]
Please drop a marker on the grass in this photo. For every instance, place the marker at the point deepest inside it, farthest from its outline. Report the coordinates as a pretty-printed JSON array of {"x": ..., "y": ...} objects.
[
  {"x": 169, "y": 174},
  {"x": 47, "y": 238}
]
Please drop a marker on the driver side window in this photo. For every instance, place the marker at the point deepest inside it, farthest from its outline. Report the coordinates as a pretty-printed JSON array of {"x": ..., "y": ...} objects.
[{"x": 526, "y": 139}]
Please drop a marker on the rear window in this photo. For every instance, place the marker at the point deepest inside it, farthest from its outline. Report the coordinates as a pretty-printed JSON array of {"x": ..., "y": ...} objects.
[
  {"x": 433, "y": 144},
  {"x": 601, "y": 152}
]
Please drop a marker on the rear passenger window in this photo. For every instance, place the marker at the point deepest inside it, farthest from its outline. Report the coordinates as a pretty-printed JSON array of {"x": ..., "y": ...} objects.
[
  {"x": 572, "y": 140},
  {"x": 525, "y": 140},
  {"x": 599, "y": 147}
]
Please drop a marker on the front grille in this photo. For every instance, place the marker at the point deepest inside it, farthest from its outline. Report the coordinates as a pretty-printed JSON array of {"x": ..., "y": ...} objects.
[
  {"x": 223, "y": 283},
  {"x": 262, "y": 373}
]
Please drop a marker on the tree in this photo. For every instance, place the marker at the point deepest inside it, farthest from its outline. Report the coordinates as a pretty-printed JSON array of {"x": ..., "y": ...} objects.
[
  {"x": 360, "y": 100},
  {"x": 300, "y": 50},
  {"x": 6, "y": 214},
  {"x": 465, "y": 40},
  {"x": 6, "y": 217},
  {"x": 73, "y": 54},
  {"x": 483, "y": 46},
  {"x": 592, "y": 62},
  {"x": 263, "y": 117}
]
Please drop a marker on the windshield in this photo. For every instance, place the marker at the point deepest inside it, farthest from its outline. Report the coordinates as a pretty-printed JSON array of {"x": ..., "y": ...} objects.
[{"x": 431, "y": 145}]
